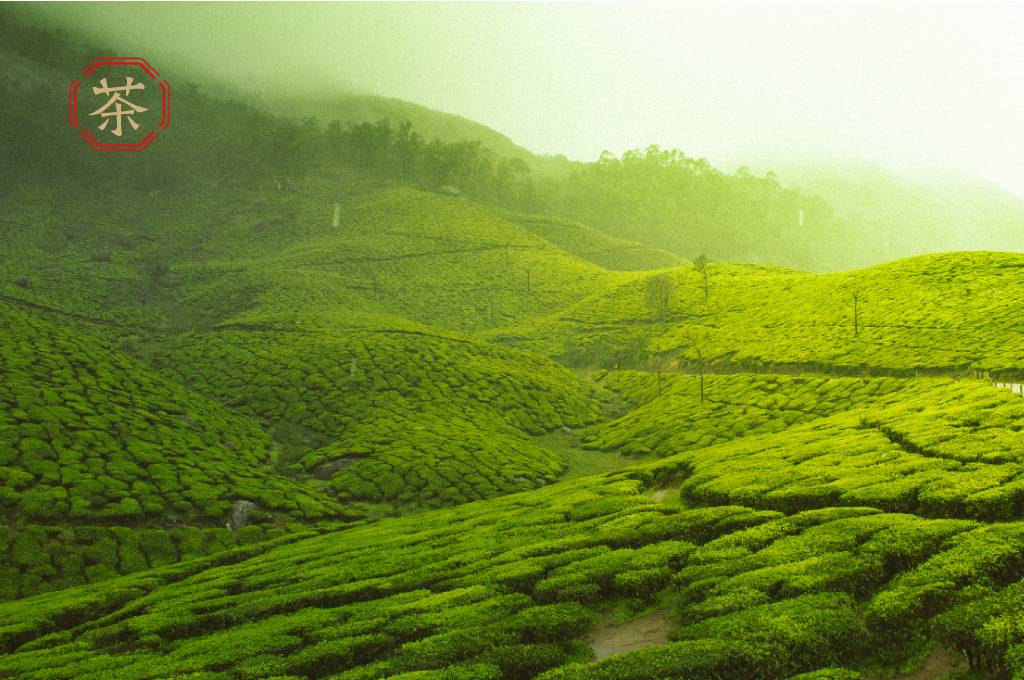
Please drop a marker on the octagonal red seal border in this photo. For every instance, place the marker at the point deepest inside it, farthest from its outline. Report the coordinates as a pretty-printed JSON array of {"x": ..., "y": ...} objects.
[{"x": 130, "y": 62}]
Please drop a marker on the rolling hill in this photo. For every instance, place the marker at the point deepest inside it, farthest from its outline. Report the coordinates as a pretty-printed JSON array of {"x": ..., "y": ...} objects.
[
  {"x": 108, "y": 468},
  {"x": 829, "y": 506},
  {"x": 509, "y": 588},
  {"x": 949, "y": 313}
]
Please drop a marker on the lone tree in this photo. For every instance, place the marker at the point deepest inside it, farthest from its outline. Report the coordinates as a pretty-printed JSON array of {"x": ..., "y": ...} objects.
[
  {"x": 701, "y": 265},
  {"x": 855, "y": 293},
  {"x": 661, "y": 289},
  {"x": 697, "y": 343}
]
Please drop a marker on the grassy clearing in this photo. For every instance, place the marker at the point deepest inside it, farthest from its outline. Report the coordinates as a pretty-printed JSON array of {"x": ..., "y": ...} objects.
[{"x": 578, "y": 461}]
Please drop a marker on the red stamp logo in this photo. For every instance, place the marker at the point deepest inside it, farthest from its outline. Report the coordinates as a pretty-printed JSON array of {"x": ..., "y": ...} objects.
[{"x": 119, "y": 105}]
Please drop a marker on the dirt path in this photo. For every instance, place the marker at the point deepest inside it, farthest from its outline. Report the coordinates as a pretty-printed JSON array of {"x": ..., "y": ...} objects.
[
  {"x": 936, "y": 665},
  {"x": 609, "y": 638},
  {"x": 661, "y": 494}
]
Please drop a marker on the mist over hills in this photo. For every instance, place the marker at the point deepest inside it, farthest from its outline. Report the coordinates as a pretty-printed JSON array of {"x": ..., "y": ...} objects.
[
  {"x": 901, "y": 216},
  {"x": 819, "y": 217}
]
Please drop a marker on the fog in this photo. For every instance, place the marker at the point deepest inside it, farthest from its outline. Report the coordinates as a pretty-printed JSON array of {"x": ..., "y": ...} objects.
[{"x": 917, "y": 87}]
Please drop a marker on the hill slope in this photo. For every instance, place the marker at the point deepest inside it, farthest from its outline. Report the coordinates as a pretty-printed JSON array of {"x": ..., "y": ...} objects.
[
  {"x": 79, "y": 415},
  {"x": 593, "y": 246},
  {"x": 108, "y": 468},
  {"x": 946, "y": 313},
  {"x": 509, "y": 587},
  {"x": 392, "y": 414}
]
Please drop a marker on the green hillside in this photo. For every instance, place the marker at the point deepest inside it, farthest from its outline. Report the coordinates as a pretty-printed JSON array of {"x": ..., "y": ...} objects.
[
  {"x": 670, "y": 415},
  {"x": 268, "y": 257},
  {"x": 79, "y": 415},
  {"x": 304, "y": 330},
  {"x": 594, "y": 246},
  {"x": 865, "y": 518},
  {"x": 390, "y": 414},
  {"x": 108, "y": 468},
  {"x": 313, "y": 330},
  {"x": 508, "y": 588},
  {"x": 937, "y": 313}
]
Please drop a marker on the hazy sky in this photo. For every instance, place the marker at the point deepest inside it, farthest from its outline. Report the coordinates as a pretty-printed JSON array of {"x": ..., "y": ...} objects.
[{"x": 916, "y": 85}]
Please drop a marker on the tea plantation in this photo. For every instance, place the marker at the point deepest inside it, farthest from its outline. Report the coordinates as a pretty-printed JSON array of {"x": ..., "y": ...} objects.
[
  {"x": 953, "y": 451},
  {"x": 509, "y": 588},
  {"x": 391, "y": 414},
  {"x": 670, "y": 414},
  {"x": 594, "y": 246},
  {"x": 240, "y": 439},
  {"x": 90, "y": 434},
  {"x": 108, "y": 468},
  {"x": 254, "y": 256},
  {"x": 936, "y": 313},
  {"x": 293, "y": 400}
]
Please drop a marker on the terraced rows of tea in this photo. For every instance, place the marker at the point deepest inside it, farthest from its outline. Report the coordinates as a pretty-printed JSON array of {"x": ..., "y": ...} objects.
[
  {"x": 672, "y": 412},
  {"x": 276, "y": 258},
  {"x": 510, "y": 587},
  {"x": 936, "y": 313},
  {"x": 241, "y": 438},
  {"x": 952, "y": 451},
  {"x": 403, "y": 416},
  {"x": 594, "y": 246},
  {"x": 312, "y": 408},
  {"x": 108, "y": 468}
]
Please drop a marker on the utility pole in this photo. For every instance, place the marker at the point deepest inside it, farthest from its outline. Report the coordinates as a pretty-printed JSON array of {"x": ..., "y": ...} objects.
[
  {"x": 855, "y": 293},
  {"x": 700, "y": 358}
]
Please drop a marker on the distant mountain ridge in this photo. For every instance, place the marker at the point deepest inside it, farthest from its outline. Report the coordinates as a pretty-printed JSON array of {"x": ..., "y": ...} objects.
[{"x": 900, "y": 216}]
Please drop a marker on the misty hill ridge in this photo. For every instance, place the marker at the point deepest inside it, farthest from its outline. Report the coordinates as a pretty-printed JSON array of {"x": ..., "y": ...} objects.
[
  {"x": 824, "y": 218},
  {"x": 899, "y": 217},
  {"x": 350, "y": 108}
]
